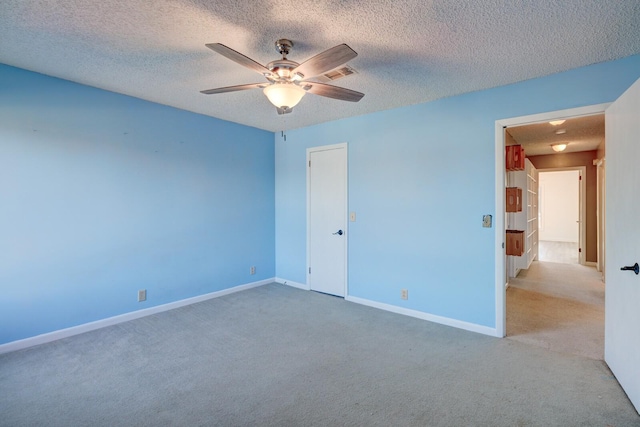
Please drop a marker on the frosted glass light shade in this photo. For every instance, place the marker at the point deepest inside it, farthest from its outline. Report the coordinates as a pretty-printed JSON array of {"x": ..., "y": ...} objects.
[
  {"x": 284, "y": 94},
  {"x": 559, "y": 147}
]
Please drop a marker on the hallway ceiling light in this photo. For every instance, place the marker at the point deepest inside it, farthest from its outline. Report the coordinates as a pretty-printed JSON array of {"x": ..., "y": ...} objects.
[
  {"x": 556, "y": 122},
  {"x": 559, "y": 147},
  {"x": 561, "y": 131}
]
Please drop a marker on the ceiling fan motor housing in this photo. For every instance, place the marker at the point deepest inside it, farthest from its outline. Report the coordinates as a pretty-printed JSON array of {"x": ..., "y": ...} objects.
[{"x": 283, "y": 67}]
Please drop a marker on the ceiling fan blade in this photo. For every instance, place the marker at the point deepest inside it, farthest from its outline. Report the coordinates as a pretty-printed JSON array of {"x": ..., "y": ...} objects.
[
  {"x": 239, "y": 58},
  {"x": 334, "y": 92},
  {"x": 233, "y": 88},
  {"x": 325, "y": 61}
]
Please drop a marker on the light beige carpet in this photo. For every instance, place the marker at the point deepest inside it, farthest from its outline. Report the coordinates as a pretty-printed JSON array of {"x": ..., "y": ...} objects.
[
  {"x": 563, "y": 252},
  {"x": 559, "y": 307},
  {"x": 279, "y": 356}
]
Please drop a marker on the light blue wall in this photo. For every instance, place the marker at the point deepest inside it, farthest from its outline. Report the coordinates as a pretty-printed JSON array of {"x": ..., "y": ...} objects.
[
  {"x": 103, "y": 194},
  {"x": 420, "y": 179}
]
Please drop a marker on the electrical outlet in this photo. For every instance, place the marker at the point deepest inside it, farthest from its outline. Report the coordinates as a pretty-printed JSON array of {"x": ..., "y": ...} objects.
[
  {"x": 253, "y": 269},
  {"x": 142, "y": 295},
  {"x": 404, "y": 293}
]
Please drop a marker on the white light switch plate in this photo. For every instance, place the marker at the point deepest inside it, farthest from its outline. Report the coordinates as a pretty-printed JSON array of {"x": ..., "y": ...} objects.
[
  {"x": 486, "y": 221},
  {"x": 352, "y": 217}
]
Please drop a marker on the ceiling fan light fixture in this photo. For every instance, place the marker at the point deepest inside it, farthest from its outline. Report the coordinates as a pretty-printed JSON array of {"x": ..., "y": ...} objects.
[
  {"x": 559, "y": 147},
  {"x": 556, "y": 122},
  {"x": 284, "y": 94}
]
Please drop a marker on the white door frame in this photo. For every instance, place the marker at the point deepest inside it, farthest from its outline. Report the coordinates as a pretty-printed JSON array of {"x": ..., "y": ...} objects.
[
  {"x": 600, "y": 214},
  {"x": 582, "y": 203},
  {"x": 500, "y": 257},
  {"x": 310, "y": 150}
]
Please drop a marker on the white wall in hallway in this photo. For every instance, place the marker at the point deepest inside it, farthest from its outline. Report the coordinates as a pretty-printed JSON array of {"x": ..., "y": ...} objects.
[{"x": 559, "y": 206}]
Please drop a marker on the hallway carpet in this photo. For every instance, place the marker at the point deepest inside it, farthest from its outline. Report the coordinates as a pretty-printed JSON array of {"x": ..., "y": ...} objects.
[
  {"x": 558, "y": 307},
  {"x": 560, "y": 252}
]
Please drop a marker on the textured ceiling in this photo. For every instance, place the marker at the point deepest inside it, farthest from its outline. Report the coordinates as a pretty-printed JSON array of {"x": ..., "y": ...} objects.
[
  {"x": 580, "y": 134},
  {"x": 409, "y": 51}
]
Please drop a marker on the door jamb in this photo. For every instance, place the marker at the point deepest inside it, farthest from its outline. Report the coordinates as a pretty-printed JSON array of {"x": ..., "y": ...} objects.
[
  {"x": 342, "y": 145},
  {"x": 500, "y": 256},
  {"x": 600, "y": 214}
]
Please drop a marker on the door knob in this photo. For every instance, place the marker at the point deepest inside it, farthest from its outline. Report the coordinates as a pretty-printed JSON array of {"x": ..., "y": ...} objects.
[
  {"x": 635, "y": 268},
  {"x": 339, "y": 233}
]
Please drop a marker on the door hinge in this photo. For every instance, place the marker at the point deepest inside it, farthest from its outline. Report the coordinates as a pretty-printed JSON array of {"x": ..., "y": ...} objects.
[
  {"x": 580, "y": 179},
  {"x": 309, "y": 163},
  {"x": 309, "y": 270},
  {"x": 580, "y": 250}
]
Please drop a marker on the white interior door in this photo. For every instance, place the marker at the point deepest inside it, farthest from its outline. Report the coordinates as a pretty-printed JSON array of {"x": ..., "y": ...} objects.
[
  {"x": 622, "y": 304},
  {"x": 327, "y": 219}
]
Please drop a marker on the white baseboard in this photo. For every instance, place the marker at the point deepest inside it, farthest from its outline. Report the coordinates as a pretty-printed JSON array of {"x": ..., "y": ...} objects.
[
  {"x": 591, "y": 264},
  {"x": 292, "y": 284},
  {"x": 485, "y": 330},
  {"x": 102, "y": 323}
]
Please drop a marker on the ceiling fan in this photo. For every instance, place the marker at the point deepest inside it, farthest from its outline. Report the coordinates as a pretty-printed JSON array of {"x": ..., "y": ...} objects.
[{"x": 288, "y": 81}]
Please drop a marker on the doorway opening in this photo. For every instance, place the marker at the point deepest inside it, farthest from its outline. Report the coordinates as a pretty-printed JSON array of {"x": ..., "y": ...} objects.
[
  {"x": 540, "y": 303},
  {"x": 561, "y": 213}
]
